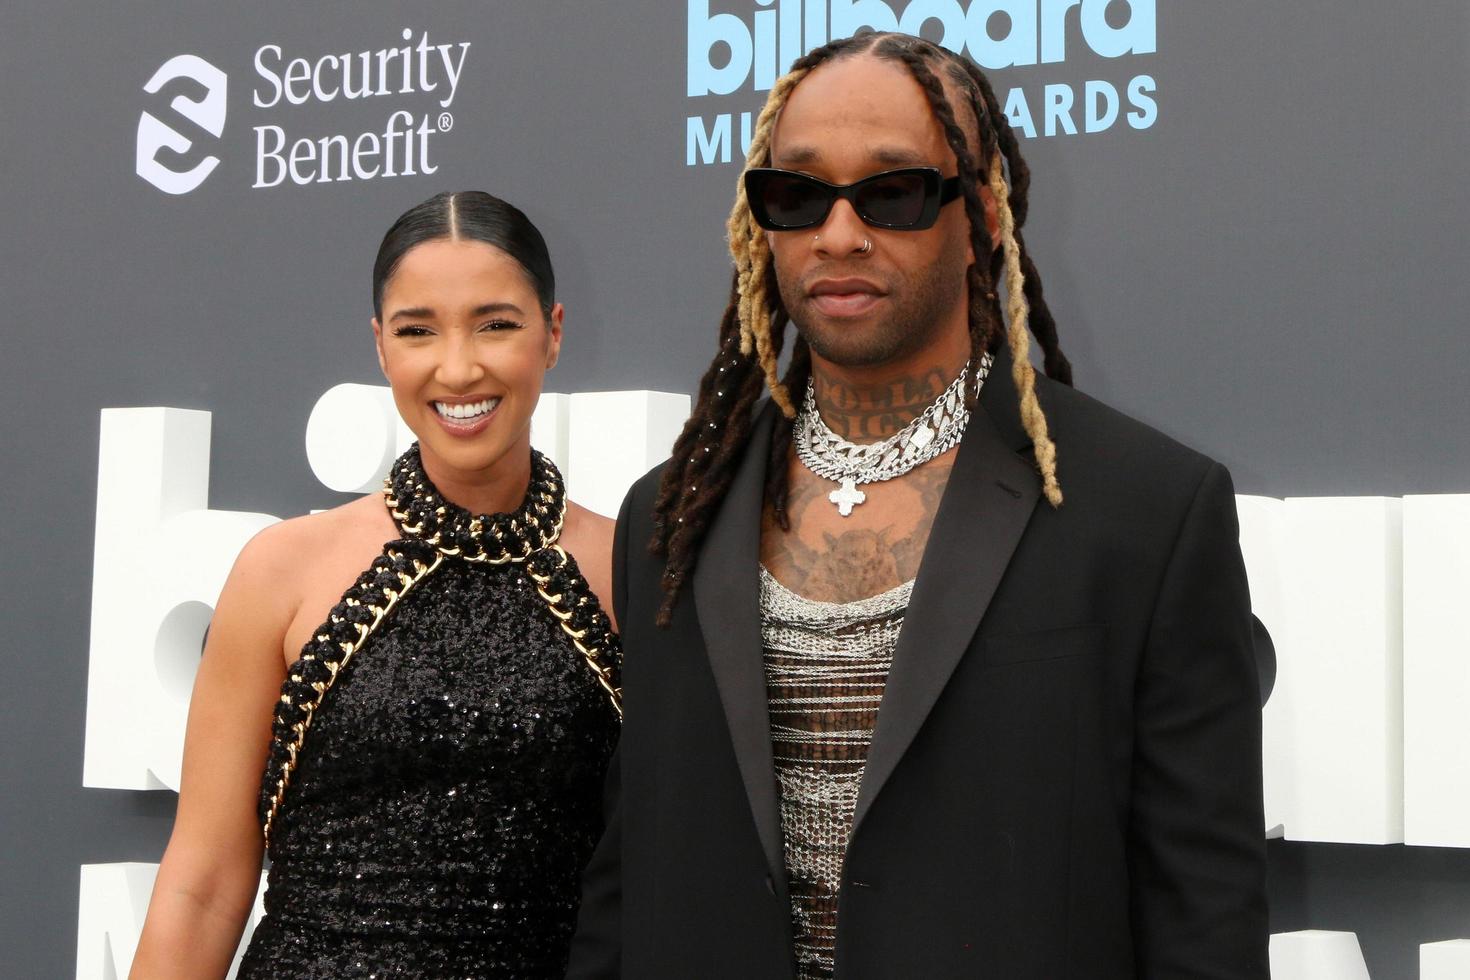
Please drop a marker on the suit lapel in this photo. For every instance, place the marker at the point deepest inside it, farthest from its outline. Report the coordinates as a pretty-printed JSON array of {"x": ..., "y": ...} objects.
[
  {"x": 727, "y": 598},
  {"x": 987, "y": 503}
]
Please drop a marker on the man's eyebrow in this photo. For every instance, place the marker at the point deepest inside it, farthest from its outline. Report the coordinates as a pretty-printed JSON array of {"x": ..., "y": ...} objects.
[
  {"x": 899, "y": 156},
  {"x": 799, "y": 155},
  {"x": 887, "y": 156}
]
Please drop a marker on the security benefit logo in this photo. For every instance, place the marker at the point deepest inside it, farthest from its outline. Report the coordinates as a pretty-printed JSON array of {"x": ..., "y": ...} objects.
[
  {"x": 163, "y": 151},
  {"x": 738, "y": 48},
  {"x": 404, "y": 91}
]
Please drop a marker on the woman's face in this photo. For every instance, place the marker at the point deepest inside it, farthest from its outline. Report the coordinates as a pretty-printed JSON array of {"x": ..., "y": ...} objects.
[{"x": 464, "y": 345}]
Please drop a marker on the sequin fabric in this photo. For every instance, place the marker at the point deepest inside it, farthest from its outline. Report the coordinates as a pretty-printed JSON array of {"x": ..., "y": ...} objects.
[
  {"x": 826, "y": 666},
  {"x": 446, "y": 797}
]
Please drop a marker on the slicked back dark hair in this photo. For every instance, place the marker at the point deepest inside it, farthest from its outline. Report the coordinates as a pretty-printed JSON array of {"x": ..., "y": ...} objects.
[
  {"x": 753, "y": 328},
  {"x": 474, "y": 215}
]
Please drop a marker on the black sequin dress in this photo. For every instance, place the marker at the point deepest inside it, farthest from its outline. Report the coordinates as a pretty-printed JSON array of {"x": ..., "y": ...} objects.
[{"x": 434, "y": 786}]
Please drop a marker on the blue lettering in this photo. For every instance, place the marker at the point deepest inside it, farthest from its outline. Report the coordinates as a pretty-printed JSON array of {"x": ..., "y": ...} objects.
[
  {"x": 1138, "y": 36},
  {"x": 1140, "y": 92},
  {"x": 705, "y": 147},
  {"x": 851, "y": 16},
  {"x": 1019, "y": 113},
  {"x": 1018, "y": 47},
  {"x": 949, "y": 14},
  {"x": 816, "y": 24},
  {"x": 1059, "y": 110},
  {"x": 1096, "y": 119},
  {"x": 763, "y": 45},
  {"x": 704, "y": 33},
  {"x": 765, "y": 48},
  {"x": 1054, "y": 29},
  {"x": 791, "y": 32}
]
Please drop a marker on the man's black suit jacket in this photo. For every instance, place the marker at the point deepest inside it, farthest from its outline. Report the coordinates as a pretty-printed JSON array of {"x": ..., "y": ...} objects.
[{"x": 1065, "y": 777}]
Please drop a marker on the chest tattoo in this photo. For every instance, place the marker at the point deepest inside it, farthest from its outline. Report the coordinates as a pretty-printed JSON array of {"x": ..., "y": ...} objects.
[{"x": 834, "y": 559}]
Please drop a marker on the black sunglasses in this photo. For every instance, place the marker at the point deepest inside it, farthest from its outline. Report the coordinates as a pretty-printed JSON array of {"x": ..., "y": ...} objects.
[{"x": 901, "y": 200}]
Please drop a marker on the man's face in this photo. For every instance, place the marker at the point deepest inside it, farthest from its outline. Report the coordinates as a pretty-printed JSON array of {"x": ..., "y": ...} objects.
[{"x": 850, "y": 119}]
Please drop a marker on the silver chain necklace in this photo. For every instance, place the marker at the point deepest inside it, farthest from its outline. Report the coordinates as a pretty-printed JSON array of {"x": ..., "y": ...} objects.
[{"x": 935, "y": 432}]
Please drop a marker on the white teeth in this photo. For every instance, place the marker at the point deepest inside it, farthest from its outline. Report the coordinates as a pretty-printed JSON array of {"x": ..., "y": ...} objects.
[{"x": 466, "y": 411}]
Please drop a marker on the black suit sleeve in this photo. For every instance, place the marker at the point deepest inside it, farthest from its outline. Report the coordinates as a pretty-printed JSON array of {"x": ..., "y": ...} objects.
[
  {"x": 597, "y": 945},
  {"x": 1197, "y": 847}
]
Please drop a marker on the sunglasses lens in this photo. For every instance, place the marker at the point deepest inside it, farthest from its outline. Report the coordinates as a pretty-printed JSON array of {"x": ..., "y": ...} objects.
[
  {"x": 895, "y": 199},
  {"x": 791, "y": 202}
]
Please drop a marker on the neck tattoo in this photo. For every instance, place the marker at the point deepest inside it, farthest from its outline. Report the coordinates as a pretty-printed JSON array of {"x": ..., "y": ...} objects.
[{"x": 936, "y": 431}]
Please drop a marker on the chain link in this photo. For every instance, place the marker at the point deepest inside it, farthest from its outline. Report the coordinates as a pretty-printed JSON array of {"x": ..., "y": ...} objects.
[{"x": 936, "y": 431}]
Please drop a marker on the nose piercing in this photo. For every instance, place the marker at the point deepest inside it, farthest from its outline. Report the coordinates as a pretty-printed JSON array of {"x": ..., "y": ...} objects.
[{"x": 867, "y": 245}]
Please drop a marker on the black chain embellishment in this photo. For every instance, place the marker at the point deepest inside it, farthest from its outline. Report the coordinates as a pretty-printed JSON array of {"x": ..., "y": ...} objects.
[
  {"x": 422, "y": 513},
  {"x": 529, "y": 535},
  {"x": 363, "y": 608},
  {"x": 435, "y": 529},
  {"x": 560, "y": 583}
]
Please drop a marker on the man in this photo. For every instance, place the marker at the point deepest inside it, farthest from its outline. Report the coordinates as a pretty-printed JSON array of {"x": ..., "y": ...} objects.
[{"x": 921, "y": 711}]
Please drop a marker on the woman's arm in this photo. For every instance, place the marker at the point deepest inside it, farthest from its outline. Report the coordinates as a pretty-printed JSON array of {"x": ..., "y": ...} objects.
[{"x": 211, "y": 869}]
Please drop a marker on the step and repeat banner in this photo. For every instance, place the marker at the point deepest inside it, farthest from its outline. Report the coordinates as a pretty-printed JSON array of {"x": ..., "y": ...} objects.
[{"x": 1249, "y": 218}]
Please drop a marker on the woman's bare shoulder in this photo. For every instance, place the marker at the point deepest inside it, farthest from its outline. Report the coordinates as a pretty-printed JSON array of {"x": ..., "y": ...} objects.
[
  {"x": 298, "y": 539},
  {"x": 588, "y": 536},
  {"x": 589, "y": 527},
  {"x": 289, "y": 555}
]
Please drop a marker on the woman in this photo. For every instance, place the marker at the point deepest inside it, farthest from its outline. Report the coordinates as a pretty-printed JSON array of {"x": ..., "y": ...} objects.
[{"x": 433, "y": 748}]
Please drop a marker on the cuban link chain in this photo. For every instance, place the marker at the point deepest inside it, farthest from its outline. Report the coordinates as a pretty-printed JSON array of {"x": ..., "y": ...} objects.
[{"x": 935, "y": 432}]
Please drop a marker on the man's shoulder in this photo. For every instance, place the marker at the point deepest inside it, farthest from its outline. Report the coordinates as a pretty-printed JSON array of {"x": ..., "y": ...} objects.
[
  {"x": 1101, "y": 449},
  {"x": 644, "y": 490},
  {"x": 636, "y": 518},
  {"x": 638, "y": 503}
]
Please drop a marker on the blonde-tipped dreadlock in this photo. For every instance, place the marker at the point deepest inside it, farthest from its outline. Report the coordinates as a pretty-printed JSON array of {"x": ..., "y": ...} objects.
[
  {"x": 752, "y": 330},
  {"x": 1019, "y": 337},
  {"x": 752, "y": 253}
]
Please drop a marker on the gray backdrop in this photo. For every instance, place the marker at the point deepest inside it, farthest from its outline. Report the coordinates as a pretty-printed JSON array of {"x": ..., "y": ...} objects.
[{"x": 1274, "y": 272}]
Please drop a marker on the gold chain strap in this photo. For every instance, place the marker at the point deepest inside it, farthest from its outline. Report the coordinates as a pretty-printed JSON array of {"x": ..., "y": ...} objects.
[
  {"x": 379, "y": 606},
  {"x": 600, "y": 652}
]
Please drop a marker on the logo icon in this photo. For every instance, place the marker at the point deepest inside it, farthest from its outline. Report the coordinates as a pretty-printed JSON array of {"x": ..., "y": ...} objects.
[{"x": 156, "y": 136}]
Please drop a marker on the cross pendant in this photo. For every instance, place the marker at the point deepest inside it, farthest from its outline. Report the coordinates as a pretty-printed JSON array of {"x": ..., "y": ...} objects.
[{"x": 847, "y": 496}]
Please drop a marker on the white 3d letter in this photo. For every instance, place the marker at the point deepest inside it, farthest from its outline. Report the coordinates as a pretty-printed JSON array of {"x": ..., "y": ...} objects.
[
  {"x": 160, "y": 560},
  {"x": 615, "y": 437},
  {"x": 110, "y": 918},
  {"x": 1327, "y": 580},
  {"x": 1317, "y": 955},
  {"x": 1436, "y": 681},
  {"x": 1445, "y": 961}
]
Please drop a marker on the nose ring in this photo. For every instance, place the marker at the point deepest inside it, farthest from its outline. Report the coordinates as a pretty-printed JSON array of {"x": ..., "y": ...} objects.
[{"x": 867, "y": 245}]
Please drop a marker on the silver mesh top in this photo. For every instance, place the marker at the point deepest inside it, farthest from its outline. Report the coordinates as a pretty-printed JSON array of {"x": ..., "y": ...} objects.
[{"x": 826, "y": 666}]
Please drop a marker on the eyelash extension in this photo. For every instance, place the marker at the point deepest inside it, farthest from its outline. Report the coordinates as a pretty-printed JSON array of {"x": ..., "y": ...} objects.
[{"x": 417, "y": 331}]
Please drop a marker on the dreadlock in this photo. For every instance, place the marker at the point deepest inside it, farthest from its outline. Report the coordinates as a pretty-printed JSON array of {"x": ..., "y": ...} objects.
[{"x": 753, "y": 327}]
